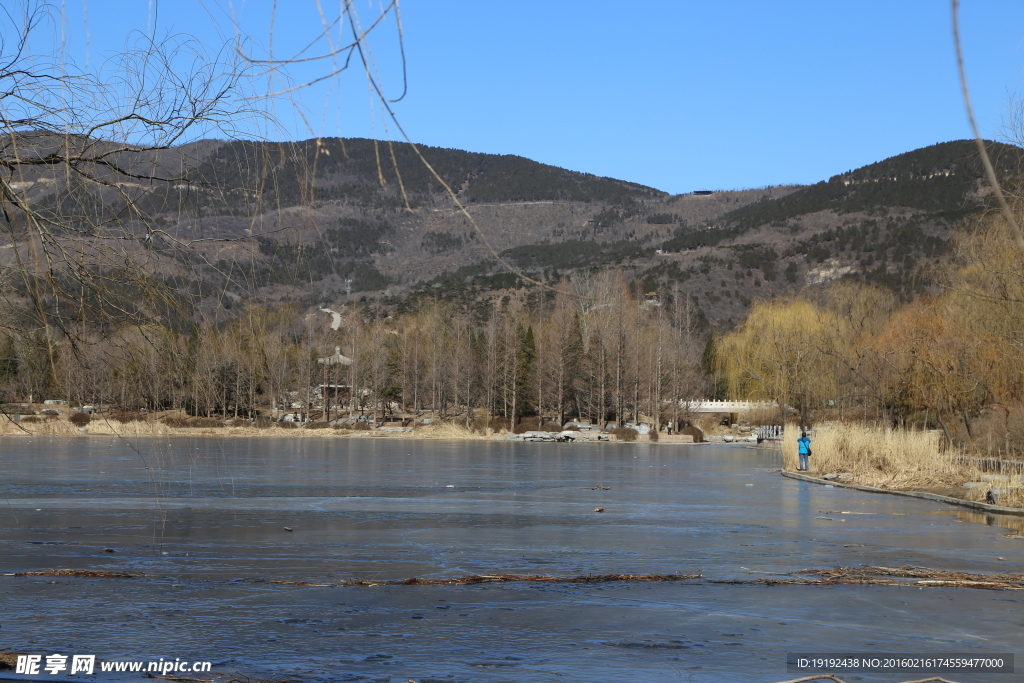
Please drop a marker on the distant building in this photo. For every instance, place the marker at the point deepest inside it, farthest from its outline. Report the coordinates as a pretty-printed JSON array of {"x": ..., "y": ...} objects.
[{"x": 335, "y": 359}]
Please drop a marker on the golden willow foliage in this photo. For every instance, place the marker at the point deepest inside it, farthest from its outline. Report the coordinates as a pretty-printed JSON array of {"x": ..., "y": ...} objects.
[
  {"x": 803, "y": 354},
  {"x": 608, "y": 355},
  {"x": 952, "y": 361}
]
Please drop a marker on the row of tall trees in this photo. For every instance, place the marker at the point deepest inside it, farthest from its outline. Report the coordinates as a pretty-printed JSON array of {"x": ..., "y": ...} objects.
[
  {"x": 953, "y": 361},
  {"x": 597, "y": 350}
]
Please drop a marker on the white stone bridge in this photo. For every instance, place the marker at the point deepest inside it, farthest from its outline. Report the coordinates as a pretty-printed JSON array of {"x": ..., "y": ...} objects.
[{"x": 709, "y": 406}]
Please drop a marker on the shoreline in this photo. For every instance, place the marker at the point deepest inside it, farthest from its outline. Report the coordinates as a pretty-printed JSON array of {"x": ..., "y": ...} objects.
[
  {"x": 60, "y": 428},
  {"x": 949, "y": 500},
  {"x": 156, "y": 427}
]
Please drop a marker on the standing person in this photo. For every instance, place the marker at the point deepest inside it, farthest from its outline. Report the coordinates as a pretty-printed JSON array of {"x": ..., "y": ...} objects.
[{"x": 803, "y": 448}]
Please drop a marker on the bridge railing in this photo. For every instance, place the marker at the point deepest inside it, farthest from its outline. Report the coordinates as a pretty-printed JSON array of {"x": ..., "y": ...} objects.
[{"x": 710, "y": 406}]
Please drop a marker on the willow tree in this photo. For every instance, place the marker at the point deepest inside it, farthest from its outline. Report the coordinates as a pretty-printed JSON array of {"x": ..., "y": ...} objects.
[
  {"x": 986, "y": 298},
  {"x": 779, "y": 354},
  {"x": 937, "y": 365}
]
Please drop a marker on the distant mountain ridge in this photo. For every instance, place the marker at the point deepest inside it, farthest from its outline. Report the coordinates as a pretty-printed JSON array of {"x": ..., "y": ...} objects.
[
  {"x": 374, "y": 215},
  {"x": 939, "y": 180},
  {"x": 314, "y": 220},
  {"x": 393, "y": 168}
]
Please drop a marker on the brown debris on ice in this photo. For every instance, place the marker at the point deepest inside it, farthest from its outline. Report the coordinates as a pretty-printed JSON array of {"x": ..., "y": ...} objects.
[
  {"x": 914, "y": 577},
  {"x": 81, "y": 573}
]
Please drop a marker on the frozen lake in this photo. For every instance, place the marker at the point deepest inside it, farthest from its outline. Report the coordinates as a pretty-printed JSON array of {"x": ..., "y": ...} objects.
[{"x": 205, "y": 520}]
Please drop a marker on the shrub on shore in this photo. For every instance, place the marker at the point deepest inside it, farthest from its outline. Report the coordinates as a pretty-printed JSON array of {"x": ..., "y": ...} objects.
[
  {"x": 185, "y": 422},
  {"x": 625, "y": 433},
  {"x": 80, "y": 419},
  {"x": 443, "y": 429},
  {"x": 125, "y": 416}
]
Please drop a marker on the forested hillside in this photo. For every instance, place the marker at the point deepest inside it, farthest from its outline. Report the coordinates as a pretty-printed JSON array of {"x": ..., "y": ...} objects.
[
  {"x": 267, "y": 241},
  {"x": 331, "y": 221}
]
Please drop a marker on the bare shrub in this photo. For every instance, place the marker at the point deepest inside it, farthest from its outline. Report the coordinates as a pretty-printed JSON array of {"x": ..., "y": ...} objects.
[
  {"x": 125, "y": 416},
  {"x": 708, "y": 422},
  {"x": 625, "y": 433},
  {"x": 499, "y": 424},
  {"x": 30, "y": 418},
  {"x": 696, "y": 432},
  {"x": 79, "y": 419},
  {"x": 287, "y": 425},
  {"x": 999, "y": 433},
  {"x": 653, "y": 435},
  {"x": 527, "y": 424},
  {"x": 318, "y": 425}
]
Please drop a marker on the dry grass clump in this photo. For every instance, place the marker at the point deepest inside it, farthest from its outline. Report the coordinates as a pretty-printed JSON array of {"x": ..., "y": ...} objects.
[
  {"x": 36, "y": 424},
  {"x": 103, "y": 425},
  {"x": 790, "y": 459},
  {"x": 880, "y": 456},
  {"x": 447, "y": 430},
  {"x": 318, "y": 425},
  {"x": 625, "y": 433}
]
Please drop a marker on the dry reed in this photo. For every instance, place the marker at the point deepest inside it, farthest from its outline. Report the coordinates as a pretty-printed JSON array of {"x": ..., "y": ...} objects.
[
  {"x": 101, "y": 425},
  {"x": 882, "y": 457},
  {"x": 448, "y": 430},
  {"x": 789, "y": 455}
]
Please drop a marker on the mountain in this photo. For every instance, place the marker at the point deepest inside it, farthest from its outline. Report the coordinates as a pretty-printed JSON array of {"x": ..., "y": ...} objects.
[{"x": 325, "y": 220}]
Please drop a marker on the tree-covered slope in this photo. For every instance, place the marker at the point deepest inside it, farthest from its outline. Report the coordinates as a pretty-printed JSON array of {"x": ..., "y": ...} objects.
[{"x": 942, "y": 179}]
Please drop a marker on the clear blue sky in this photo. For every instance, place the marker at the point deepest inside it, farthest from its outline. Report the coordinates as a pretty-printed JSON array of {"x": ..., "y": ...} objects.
[{"x": 678, "y": 95}]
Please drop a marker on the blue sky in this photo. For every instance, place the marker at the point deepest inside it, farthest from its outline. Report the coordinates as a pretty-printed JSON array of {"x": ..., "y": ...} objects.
[{"x": 677, "y": 95}]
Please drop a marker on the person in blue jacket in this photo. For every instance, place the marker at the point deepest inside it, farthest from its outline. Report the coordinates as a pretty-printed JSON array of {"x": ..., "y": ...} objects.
[{"x": 803, "y": 448}]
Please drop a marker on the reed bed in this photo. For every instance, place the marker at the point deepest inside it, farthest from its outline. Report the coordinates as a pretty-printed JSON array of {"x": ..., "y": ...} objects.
[
  {"x": 886, "y": 458},
  {"x": 184, "y": 426},
  {"x": 879, "y": 456}
]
